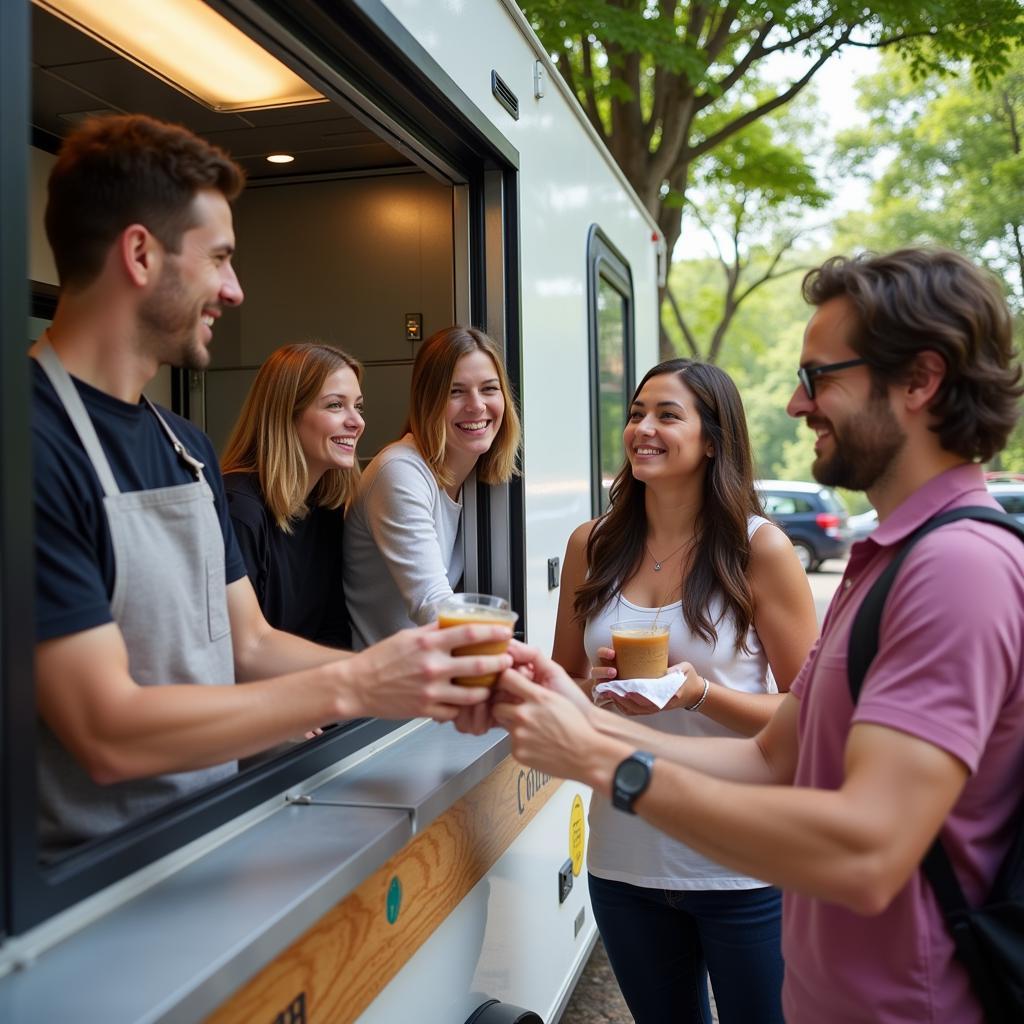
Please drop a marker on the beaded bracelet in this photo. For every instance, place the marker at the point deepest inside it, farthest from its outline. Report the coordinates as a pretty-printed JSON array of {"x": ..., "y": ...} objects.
[{"x": 703, "y": 697}]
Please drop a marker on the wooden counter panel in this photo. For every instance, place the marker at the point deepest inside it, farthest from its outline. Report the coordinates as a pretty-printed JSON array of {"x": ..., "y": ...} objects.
[{"x": 335, "y": 970}]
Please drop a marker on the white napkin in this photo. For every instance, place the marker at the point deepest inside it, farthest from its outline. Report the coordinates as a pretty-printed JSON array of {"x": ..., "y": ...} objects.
[{"x": 658, "y": 691}]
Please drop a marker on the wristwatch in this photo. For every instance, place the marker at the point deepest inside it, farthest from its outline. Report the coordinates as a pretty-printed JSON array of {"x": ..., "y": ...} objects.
[{"x": 631, "y": 778}]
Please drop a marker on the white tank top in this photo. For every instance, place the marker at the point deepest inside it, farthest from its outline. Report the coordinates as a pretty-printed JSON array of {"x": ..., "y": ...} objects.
[{"x": 624, "y": 848}]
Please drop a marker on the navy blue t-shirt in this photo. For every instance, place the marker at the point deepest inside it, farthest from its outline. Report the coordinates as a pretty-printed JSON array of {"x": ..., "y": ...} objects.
[
  {"x": 297, "y": 576},
  {"x": 74, "y": 554}
]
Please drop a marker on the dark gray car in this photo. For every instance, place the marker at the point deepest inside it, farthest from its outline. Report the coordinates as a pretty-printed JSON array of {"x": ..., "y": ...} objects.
[{"x": 811, "y": 515}]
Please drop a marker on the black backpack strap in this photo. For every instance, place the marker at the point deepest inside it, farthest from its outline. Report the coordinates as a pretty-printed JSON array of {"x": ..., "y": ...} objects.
[
  {"x": 863, "y": 644},
  {"x": 861, "y": 652}
]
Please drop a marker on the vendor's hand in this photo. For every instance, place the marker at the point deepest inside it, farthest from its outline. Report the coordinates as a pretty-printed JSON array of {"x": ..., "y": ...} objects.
[
  {"x": 548, "y": 725},
  {"x": 410, "y": 674}
]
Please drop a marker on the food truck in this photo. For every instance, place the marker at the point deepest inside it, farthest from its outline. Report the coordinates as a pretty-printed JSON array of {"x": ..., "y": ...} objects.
[{"x": 411, "y": 164}]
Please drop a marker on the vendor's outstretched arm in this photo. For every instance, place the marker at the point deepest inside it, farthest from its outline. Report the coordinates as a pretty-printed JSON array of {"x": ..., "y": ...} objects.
[{"x": 120, "y": 730}]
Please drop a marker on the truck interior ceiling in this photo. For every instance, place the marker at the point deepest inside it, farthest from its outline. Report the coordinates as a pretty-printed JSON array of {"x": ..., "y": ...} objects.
[{"x": 349, "y": 241}]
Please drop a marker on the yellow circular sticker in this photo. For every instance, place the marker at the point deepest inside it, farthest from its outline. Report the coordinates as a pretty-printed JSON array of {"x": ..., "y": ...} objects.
[{"x": 577, "y": 833}]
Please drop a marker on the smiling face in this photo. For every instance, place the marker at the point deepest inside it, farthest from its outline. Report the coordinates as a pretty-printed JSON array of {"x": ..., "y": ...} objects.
[
  {"x": 476, "y": 407},
  {"x": 858, "y": 436},
  {"x": 664, "y": 438},
  {"x": 329, "y": 427},
  {"x": 177, "y": 318}
]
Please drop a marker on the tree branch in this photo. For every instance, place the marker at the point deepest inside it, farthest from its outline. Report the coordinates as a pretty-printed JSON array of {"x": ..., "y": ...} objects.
[
  {"x": 1019, "y": 245},
  {"x": 750, "y": 116},
  {"x": 588, "y": 84},
  {"x": 754, "y": 53},
  {"x": 674, "y": 132},
  {"x": 698, "y": 16},
  {"x": 768, "y": 275},
  {"x": 801, "y": 37},
  {"x": 691, "y": 341},
  {"x": 1011, "y": 117},
  {"x": 719, "y": 36},
  {"x": 707, "y": 227}
]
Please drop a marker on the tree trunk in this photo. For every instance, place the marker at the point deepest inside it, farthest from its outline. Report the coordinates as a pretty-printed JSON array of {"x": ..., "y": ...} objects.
[{"x": 670, "y": 221}]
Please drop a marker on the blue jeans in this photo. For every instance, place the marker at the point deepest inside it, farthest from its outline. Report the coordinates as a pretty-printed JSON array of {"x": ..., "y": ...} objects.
[{"x": 664, "y": 944}]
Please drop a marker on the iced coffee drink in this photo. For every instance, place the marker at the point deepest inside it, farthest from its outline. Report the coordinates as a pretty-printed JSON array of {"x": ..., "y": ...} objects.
[
  {"x": 641, "y": 649},
  {"x": 488, "y": 610}
]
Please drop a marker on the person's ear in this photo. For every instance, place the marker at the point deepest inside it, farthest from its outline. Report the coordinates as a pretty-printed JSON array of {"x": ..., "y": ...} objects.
[
  {"x": 139, "y": 254},
  {"x": 926, "y": 375}
]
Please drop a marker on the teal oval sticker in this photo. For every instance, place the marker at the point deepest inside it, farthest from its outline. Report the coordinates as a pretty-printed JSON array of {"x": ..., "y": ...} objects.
[{"x": 394, "y": 900}]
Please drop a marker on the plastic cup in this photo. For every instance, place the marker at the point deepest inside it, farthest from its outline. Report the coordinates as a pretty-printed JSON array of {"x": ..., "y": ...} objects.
[
  {"x": 486, "y": 609},
  {"x": 641, "y": 648}
]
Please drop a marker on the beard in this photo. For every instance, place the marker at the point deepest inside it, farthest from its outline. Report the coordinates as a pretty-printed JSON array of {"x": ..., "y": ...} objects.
[
  {"x": 864, "y": 448},
  {"x": 170, "y": 321}
]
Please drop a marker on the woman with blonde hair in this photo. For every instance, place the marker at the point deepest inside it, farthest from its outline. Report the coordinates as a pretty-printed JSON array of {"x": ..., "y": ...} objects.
[
  {"x": 403, "y": 534},
  {"x": 290, "y": 469}
]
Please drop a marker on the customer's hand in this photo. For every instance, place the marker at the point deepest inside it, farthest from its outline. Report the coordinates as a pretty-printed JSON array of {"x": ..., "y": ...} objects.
[
  {"x": 607, "y": 669},
  {"x": 632, "y": 704},
  {"x": 548, "y": 725},
  {"x": 533, "y": 664}
]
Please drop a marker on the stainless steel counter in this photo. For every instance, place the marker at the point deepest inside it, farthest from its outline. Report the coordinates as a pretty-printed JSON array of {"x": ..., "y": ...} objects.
[{"x": 179, "y": 948}]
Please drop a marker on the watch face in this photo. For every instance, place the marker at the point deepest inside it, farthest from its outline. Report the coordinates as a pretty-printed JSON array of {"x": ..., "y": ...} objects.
[{"x": 632, "y": 775}]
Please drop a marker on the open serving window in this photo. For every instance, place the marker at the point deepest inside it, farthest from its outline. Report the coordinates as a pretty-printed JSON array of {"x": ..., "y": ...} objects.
[{"x": 395, "y": 216}]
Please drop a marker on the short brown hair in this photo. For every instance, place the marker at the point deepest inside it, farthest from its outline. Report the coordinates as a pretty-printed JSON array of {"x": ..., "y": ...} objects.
[
  {"x": 432, "y": 375},
  {"x": 264, "y": 441},
  {"x": 932, "y": 299},
  {"x": 128, "y": 169}
]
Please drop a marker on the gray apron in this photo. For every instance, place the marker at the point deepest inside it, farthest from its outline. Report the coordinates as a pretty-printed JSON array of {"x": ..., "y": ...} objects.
[{"x": 170, "y": 603}]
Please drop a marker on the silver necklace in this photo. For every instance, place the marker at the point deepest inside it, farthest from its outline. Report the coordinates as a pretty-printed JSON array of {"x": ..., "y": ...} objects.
[{"x": 657, "y": 563}]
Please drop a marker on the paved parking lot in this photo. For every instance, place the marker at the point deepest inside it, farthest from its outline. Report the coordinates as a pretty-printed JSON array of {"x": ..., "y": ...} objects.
[{"x": 597, "y": 999}]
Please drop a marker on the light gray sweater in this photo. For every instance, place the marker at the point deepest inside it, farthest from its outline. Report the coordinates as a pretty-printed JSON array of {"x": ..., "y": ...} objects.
[{"x": 402, "y": 547}]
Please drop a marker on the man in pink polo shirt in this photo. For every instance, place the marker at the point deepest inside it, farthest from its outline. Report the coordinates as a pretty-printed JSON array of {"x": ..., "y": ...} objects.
[{"x": 909, "y": 380}]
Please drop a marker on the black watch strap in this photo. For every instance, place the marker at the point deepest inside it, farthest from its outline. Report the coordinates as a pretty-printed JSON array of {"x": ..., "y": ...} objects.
[{"x": 631, "y": 778}]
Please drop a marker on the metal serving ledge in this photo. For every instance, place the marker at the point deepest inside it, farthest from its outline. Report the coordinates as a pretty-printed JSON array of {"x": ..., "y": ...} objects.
[{"x": 177, "y": 950}]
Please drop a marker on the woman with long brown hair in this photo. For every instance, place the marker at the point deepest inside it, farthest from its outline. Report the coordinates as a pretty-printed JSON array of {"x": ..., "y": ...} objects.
[
  {"x": 684, "y": 544},
  {"x": 290, "y": 469},
  {"x": 403, "y": 545}
]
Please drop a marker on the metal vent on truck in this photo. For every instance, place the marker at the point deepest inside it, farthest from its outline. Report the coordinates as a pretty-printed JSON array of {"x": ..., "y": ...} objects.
[{"x": 504, "y": 95}]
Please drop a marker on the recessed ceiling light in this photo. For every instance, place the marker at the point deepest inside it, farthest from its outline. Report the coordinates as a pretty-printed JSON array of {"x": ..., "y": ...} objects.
[
  {"x": 191, "y": 47},
  {"x": 280, "y": 158}
]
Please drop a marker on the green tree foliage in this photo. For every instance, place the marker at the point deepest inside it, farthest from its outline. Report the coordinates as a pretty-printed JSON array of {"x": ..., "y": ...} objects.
[
  {"x": 955, "y": 165},
  {"x": 749, "y": 199},
  {"x": 762, "y": 357},
  {"x": 666, "y": 83},
  {"x": 946, "y": 161}
]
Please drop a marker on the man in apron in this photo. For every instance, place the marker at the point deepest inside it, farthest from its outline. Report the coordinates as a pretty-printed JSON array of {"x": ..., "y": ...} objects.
[{"x": 144, "y": 615}]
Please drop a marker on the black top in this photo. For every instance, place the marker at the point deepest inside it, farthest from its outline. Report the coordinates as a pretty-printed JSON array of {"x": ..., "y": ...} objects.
[
  {"x": 74, "y": 554},
  {"x": 296, "y": 576}
]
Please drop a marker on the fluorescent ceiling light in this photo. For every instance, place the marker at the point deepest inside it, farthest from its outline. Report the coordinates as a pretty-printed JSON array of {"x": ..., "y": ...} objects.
[{"x": 191, "y": 47}]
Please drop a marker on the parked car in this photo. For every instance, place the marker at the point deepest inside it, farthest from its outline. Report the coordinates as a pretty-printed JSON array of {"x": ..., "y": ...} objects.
[
  {"x": 811, "y": 515},
  {"x": 1010, "y": 496},
  {"x": 862, "y": 524}
]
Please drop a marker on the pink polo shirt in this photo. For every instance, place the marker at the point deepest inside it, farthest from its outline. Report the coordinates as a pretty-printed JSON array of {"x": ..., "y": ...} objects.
[{"x": 948, "y": 671}]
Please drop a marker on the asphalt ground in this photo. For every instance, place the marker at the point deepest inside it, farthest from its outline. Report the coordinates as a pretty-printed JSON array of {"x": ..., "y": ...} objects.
[{"x": 596, "y": 998}]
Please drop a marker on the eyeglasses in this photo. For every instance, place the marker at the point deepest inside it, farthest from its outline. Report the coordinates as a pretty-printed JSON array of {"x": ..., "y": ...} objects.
[{"x": 806, "y": 374}]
